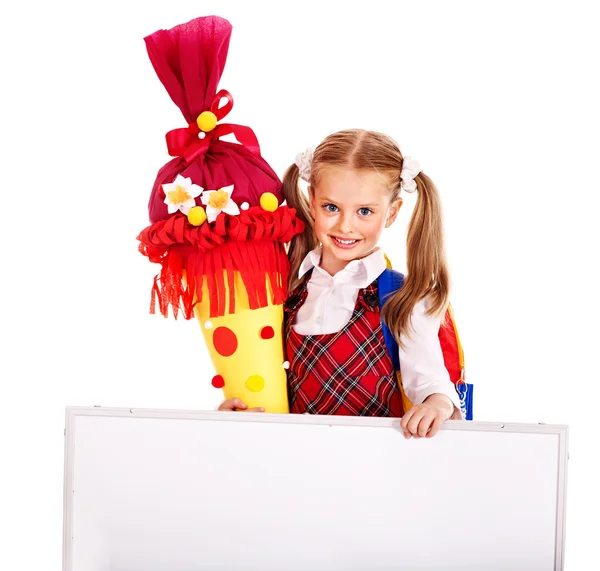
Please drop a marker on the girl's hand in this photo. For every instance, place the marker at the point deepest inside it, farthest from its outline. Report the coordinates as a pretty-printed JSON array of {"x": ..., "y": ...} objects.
[
  {"x": 238, "y": 405},
  {"x": 425, "y": 420}
]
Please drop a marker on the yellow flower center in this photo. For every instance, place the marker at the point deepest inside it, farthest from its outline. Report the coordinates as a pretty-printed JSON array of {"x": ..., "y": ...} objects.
[
  {"x": 179, "y": 195},
  {"x": 218, "y": 199}
]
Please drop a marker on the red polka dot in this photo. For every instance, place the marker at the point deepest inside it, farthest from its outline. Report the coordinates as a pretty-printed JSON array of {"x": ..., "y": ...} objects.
[
  {"x": 218, "y": 382},
  {"x": 225, "y": 341},
  {"x": 267, "y": 332}
]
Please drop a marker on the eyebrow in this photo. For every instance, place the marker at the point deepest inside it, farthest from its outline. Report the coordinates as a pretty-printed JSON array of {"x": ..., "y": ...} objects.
[{"x": 370, "y": 205}]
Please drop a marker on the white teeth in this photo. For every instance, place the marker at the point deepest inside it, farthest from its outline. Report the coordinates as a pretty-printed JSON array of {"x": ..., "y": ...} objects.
[{"x": 347, "y": 242}]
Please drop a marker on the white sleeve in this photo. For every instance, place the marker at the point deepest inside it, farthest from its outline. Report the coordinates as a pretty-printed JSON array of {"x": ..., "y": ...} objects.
[{"x": 422, "y": 362}]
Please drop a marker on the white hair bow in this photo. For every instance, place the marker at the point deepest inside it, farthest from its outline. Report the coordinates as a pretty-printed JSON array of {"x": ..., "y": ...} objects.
[
  {"x": 304, "y": 163},
  {"x": 410, "y": 169}
]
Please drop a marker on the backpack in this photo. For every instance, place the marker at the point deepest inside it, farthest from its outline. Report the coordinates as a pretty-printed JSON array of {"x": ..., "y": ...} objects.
[{"x": 391, "y": 281}]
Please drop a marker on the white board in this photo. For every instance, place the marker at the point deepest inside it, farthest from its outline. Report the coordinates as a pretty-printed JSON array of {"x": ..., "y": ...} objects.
[{"x": 170, "y": 490}]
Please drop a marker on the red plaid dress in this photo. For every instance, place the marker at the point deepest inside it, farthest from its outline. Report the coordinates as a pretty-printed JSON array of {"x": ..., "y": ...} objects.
[{"x": 346, "y": 373}]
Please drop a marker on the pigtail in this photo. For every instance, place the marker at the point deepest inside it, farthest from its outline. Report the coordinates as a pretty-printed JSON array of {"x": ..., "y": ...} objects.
[
  {"x": 301, "y": 244},
  {"x": 427, "y": 272}
]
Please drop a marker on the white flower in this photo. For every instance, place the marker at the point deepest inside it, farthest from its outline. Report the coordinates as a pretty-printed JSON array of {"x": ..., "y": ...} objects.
[
  {"x": 217, "y": 201},
  {"x": 304, "y": 163},
  {"x": 410, "y": 169},
  {"x": 180, "y": 195}
]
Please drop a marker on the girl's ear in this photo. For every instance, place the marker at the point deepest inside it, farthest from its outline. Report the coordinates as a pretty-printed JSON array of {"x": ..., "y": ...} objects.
[
  {"x": 311, "y": 201},
  {"x": 393, "y": 213}
]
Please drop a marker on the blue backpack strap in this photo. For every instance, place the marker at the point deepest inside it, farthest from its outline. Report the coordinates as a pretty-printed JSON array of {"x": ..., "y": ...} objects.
[{"x": 389, "y": 282}]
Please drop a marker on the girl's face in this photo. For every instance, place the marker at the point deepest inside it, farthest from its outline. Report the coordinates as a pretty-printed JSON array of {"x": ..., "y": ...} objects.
[{"x": 350, "y": 208}]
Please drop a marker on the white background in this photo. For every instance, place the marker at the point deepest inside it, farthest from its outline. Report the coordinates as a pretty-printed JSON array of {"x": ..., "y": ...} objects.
[{"x": 497, "y": 100}]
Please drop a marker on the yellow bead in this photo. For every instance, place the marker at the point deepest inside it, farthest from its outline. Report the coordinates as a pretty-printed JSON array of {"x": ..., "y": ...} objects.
[
  {"x": 269, "y": 201},
  {"x": 255, "y": 383},
  {"x": 207, "y": 121},
  {"x": 196, "y": 216}
]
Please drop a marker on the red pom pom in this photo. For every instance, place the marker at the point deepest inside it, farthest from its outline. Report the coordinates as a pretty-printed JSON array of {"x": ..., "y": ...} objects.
[{"x": 267, "y": 332}]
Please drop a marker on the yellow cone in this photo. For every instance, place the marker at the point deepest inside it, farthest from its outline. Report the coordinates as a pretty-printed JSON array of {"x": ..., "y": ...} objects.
[{"x": 246, "y": 349}]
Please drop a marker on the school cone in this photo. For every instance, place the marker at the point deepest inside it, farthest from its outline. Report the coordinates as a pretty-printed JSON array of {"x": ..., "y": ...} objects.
[
  {"x": 219, "y": 224},
  {"x": 246, "y": 349}
]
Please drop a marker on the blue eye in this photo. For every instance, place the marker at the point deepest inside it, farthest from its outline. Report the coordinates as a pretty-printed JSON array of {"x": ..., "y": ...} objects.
[
  {"x": 365, "y": 211},
  {"x": 330, "y": 207}
]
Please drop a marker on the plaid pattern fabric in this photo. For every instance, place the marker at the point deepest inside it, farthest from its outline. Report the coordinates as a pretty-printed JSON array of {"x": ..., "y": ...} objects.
[{"x": 344, "y": 373}]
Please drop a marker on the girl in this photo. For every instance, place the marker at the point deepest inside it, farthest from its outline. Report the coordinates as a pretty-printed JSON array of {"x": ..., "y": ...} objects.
[{"x": 334, "y": 341}]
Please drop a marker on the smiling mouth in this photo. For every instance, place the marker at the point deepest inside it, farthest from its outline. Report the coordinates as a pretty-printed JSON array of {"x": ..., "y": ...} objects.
[{"x": 343, "y": 242}]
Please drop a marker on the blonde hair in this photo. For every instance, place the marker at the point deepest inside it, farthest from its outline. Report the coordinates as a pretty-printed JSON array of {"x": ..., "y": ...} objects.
[{"x": 427, "y": 273}]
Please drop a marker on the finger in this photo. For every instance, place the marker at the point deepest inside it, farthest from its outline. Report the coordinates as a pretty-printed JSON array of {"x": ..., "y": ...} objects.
[
  {"x": 232, "y": 404},
  {"x": 404, "y": 423},
  {"x": 413, "y": 423},
  {"x": 426, "y": 423},
  {"x": 435, "y": 427},
  {"x": 405, "y": 419},
  {"x": 254, "y": 409}
]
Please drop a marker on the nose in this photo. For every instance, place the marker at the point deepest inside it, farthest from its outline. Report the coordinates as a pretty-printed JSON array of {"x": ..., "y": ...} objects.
[{"x": 346, "y": 223}]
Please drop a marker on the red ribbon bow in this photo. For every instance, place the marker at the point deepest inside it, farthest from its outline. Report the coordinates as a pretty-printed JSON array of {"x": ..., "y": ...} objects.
[{"x": 184, "y": 142}]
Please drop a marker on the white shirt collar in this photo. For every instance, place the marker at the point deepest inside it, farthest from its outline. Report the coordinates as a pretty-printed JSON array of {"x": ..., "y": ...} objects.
[{"x": 361, "y": 272}]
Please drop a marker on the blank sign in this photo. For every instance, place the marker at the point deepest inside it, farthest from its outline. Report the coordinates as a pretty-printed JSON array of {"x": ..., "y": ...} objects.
[{"x": 168, "y": 490}]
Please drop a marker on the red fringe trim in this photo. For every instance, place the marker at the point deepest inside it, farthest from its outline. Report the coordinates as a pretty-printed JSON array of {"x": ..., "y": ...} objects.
[{"x": 251, "y": 243}]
